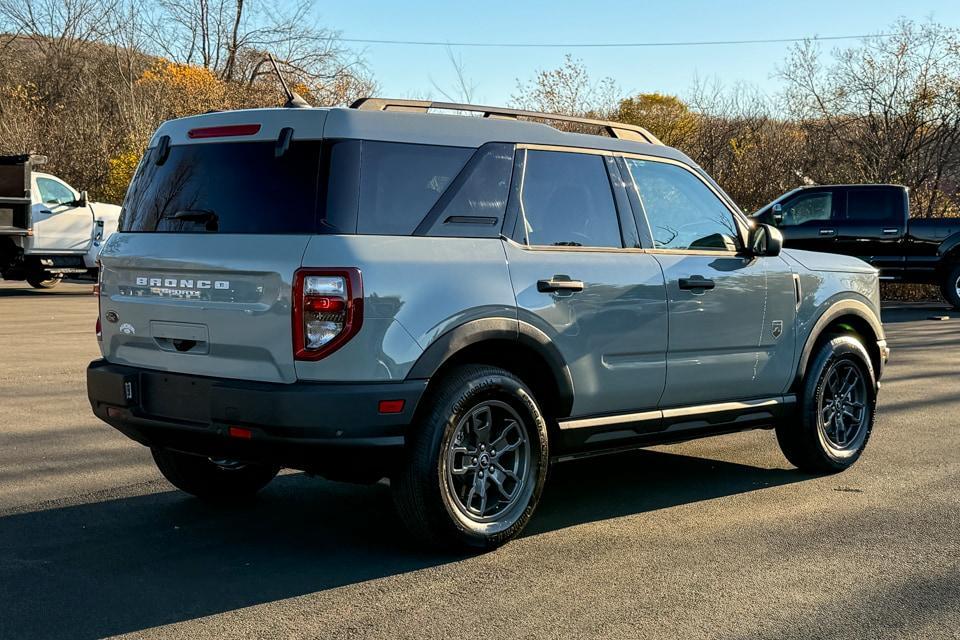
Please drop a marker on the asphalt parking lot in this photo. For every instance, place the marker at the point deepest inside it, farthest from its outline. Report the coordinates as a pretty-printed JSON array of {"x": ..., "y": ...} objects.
[{"x": 718, "y": 538}]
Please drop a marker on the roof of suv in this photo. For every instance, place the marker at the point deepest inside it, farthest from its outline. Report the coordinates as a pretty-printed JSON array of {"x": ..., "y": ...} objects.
[{"x": 399, "y": 126}]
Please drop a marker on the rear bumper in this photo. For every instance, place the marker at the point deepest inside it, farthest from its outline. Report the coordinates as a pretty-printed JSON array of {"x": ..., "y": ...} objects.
[{"x": 328, "y": 428}]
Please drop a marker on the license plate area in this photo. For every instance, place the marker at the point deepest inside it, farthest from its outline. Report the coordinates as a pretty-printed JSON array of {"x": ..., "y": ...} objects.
[{"x": 175, "y": 397}]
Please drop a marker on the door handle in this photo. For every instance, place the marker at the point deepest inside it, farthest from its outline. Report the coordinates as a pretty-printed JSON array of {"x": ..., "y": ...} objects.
[
  {"x": 45, "y": 211},
  {"x": 890, "y": 231},
  {"x": 559, "y": 283},
  {"x": 697, "y": 283},
  {"x": 828, "y": 232}
]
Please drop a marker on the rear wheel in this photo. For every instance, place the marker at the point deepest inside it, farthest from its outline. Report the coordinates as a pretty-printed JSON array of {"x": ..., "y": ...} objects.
[
  {"x": 214, "y": 480},
  {"x": 950, "y": 287},
  {"x": 476, "y": 463},
  {"x": 837, "y": 409},
  {"x": 43, "y": 282}
]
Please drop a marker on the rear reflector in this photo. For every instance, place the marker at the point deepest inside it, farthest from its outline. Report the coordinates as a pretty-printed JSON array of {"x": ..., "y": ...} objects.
[
  {"x": 238, "y": 432},
  {"x": 324, "y": 303},
  {"x": 391, "y": 406},
  {"x": 116, "y": 412},
  {"x": 224, "y": 132}
]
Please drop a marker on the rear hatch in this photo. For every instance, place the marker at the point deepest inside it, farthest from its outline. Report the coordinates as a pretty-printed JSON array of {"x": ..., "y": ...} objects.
[{"x": 213, "y": 228}]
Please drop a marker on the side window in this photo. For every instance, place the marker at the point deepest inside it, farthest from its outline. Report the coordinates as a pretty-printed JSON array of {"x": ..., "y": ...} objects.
[
  {"x": 567, "y": 201},
  {"x": 54, "y": 192},
  {"x": 865, "y": 205},
  {"x": 474, "y": 204},
  {"x": 682, "y": 211},
  {"x": 807, "y": 207},
  {"x": 400, "y": 183}
]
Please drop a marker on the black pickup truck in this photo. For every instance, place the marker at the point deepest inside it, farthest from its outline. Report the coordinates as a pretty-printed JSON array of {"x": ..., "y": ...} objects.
[{"x": 871, "y": 222}]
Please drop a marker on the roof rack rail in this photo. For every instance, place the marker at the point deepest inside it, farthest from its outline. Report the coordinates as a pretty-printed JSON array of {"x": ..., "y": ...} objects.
[{"x": 613, "y": 129}]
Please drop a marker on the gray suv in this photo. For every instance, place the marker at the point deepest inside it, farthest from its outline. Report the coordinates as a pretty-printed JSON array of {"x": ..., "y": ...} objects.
[{"x": 455, "y": 301}]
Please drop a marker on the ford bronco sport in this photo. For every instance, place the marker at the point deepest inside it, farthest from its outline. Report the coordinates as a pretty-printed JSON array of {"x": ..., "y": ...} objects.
[{"x": 455, "y": 303}]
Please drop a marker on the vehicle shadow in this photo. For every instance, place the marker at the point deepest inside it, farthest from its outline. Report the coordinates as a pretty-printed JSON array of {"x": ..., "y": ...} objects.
[
  {"x": 29, "y": 292},
  {"x": 135, "y": 563},
  {"x": 895, "y": 313}
]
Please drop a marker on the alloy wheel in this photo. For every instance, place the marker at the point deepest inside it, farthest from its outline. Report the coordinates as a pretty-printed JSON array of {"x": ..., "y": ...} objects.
[
  {"x": 843, "y": 410},
  {"x": 488, "y": 461}
]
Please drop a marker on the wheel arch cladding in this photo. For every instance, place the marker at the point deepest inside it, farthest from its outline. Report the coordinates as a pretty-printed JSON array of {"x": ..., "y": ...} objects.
[
  {"x": 844, "y": 317},
  {"x": 518, "y": 347}
]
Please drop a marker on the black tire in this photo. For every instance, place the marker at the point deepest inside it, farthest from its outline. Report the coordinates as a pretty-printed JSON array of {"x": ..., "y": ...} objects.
[
  {"x": 208, "y": 480},
  {"x": 42, "y": 282},
  {"x": 807, "y": 441},
  {"x": 950, "y": 286},
  {"x": 436, "y": 490}
]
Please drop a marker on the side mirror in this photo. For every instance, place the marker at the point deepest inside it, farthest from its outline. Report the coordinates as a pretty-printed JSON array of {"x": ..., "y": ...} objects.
[
  {"x": 777, "y": 211},
  {"x": 82, "y": 202},
  {"x": 765, "y": 240}
]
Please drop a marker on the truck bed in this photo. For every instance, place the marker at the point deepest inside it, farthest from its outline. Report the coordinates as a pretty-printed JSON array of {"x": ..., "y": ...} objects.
[
  {"x": 15, "y": 197},
  {"x": 14, "y": 216}
]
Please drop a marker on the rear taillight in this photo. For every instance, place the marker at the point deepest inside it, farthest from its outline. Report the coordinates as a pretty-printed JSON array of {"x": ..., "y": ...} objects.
[
  {"x": 96, "y": 291},
  {"x": 327, "y": 310}
]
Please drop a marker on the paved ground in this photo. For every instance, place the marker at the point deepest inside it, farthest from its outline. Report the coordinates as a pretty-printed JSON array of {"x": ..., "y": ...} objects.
[{"x": 718, "y": 538}]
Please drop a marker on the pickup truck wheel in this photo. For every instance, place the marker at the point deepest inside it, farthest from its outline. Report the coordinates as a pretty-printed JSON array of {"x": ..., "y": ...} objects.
[
  {"x": 42, "y": 282},
  {"x": 476, "y": 461},
  {"x": 837, "y": 409},
  {"x": 213, "y": 480},
  {"x": 950, "y": 287}
]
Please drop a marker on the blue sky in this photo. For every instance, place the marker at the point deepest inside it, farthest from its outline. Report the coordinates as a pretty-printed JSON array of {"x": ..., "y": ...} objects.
[{"x": 404, "y": 71}]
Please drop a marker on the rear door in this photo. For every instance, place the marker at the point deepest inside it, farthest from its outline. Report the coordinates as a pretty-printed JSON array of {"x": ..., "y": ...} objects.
[
  {"x": 58, "y": 224},
  {"x": 731, "y": 316},
  {"x": 198, "y": 280},
  {"x": 581, "y": 278},
  {"x": 873, "y": 227}
]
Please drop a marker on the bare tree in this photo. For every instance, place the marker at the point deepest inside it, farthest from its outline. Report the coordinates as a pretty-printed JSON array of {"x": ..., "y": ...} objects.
[
  {"x": 567, "y": 90},
  {"x": 86, "y": 82},
  {"x": 463, "y": 89},
  {"x": 232, "y": 37},
  {"x": 887, "y": 110}
]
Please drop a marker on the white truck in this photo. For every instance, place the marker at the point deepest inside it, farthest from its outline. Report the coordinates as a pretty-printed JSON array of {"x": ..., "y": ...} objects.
[{"x": 48, "y": 229}]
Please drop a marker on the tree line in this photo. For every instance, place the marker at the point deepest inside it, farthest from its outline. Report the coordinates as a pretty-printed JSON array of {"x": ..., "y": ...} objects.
[
  {"x": 886, "y": 110},
  {"x": 86, "y": 82}
]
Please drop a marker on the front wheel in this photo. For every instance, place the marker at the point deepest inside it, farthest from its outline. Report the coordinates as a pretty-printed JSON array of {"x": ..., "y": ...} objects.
[
  {"x": 476, "y": 462},
  {"x": 43, "y": 282},
  {"x": 837, "y": 409},
  {"x": 213, "y": 480},
  {"x": 950, "y": 286}
]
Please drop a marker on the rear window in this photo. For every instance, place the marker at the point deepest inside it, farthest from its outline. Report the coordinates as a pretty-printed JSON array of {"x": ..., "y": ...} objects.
[
  {"x": 400, "y": 183},
  {"x": 872, "y": 204},
  {"x": 568, "y": 202},
  {"x": 338, "y": 186},
  {"x": 229, "y": 187}
]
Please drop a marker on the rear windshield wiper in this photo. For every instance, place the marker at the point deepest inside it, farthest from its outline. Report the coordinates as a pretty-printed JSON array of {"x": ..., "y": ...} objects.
[
  {"x": 210, "y": 219},
  {"x": 198, "y": 215}
]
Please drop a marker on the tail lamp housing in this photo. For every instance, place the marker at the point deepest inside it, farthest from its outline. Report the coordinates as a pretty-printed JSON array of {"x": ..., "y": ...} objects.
[
  {"x": 327, "y": 310},
  {"x": 97, "y": 290}
]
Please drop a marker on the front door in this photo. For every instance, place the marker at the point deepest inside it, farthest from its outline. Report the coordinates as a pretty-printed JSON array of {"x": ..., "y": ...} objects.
[
  {"x": 809, "y": 219},
  {"x": 731, "y": 316},
  {"x": 58, "y": 224},
  {"x": 603, "y": 305}
]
